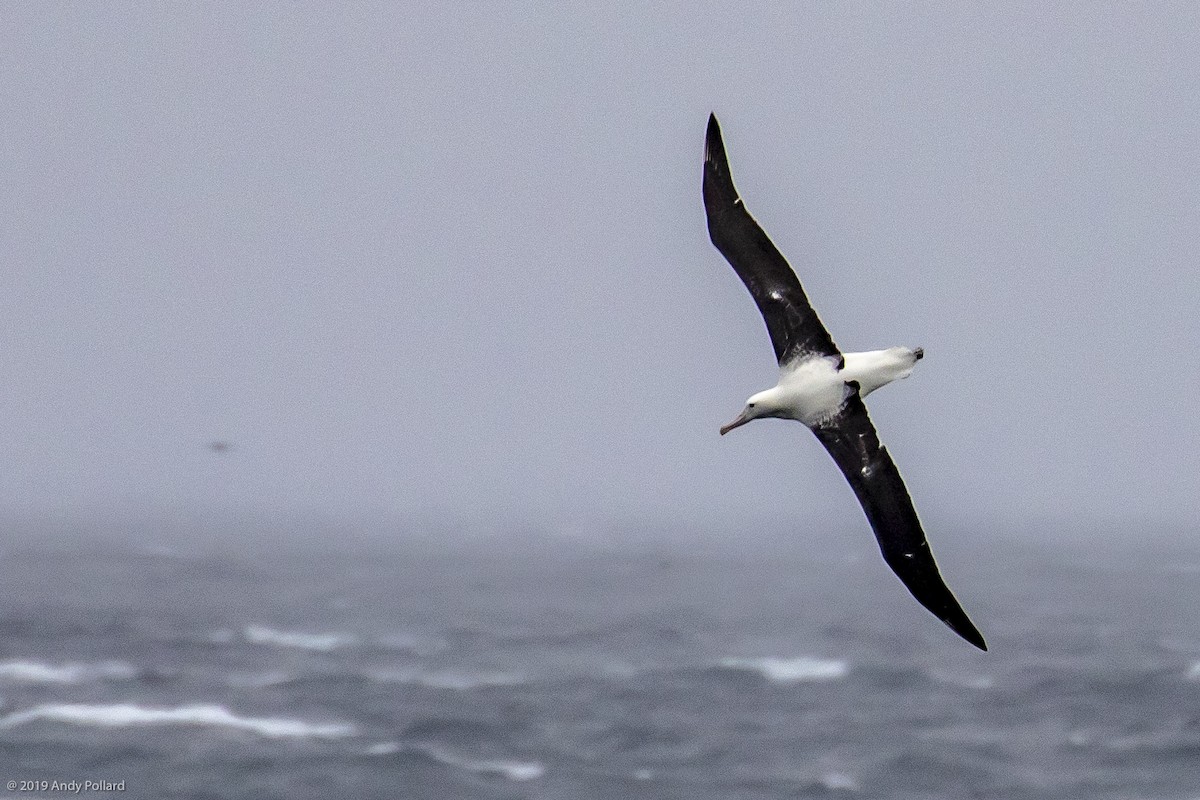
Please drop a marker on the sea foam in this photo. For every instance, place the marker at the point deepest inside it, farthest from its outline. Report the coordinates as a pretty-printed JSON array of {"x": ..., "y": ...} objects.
[
  {"x": 511, "y": 769},
  {"x": 39, "y": 672},
  {"x": 129, "y": 715},
  {"x": 791, "y": 670},
  {"x": 321, "y": 642}
]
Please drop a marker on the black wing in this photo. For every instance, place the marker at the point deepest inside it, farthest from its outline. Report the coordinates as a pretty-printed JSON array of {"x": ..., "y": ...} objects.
[
  {"x": 794, "y": 327},
  {"x": 851, "y": 439}
]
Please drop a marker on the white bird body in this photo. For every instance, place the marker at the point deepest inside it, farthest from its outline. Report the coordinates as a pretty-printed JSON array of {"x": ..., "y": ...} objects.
[
  {"x": 813, "y": 390},
  {"x": 876, "y": 368}
]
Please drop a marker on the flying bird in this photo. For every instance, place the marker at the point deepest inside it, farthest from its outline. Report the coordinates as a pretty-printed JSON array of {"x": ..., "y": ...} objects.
[{"x": 824, "y": 388}]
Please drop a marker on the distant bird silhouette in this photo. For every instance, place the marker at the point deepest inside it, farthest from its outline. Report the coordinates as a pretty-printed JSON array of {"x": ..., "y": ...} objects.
[{"x": 220, "y": 447}]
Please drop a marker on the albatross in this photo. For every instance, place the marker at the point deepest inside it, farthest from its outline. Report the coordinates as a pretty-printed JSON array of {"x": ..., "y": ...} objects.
[{"x": 824, "y": 388}]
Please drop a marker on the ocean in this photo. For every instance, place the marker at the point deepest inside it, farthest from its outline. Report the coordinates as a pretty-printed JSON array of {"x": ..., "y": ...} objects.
[{"x": 559, "y": 668}]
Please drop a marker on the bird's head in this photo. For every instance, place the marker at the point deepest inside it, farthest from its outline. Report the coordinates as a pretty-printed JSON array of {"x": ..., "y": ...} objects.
[{"x": 763, "y": 404}]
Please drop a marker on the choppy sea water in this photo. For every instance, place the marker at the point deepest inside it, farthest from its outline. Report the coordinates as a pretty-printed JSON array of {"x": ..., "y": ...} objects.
[{"x": 567, "y": 671}]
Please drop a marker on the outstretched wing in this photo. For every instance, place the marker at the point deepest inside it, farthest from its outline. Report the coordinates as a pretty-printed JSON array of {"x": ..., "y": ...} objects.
[
  {"x": 795, "y": 329},
  {"x": 851, "y": 439}
]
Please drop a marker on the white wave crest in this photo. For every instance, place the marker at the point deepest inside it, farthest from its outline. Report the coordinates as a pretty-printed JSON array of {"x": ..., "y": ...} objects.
[
  {"x": 839, "y": 782},
  {"x": 791, "y": 670},
  {"x": 128, "y": 715},
  {"x": 321, "y": 642},
  {"x": 38, "y": 672},
  {"x": 1193, "y": 672},
  {"x": 511, "y": 769}
]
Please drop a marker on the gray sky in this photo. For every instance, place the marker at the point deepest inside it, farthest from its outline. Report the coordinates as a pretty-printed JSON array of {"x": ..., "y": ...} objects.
[{"x": 416, "y": 261}]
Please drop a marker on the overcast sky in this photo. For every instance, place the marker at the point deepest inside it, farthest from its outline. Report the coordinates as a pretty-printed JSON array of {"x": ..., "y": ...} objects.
[{"x": 422, "y": 261}]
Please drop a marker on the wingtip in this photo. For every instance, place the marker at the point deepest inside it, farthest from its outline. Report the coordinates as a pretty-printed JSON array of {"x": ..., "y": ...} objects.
[
  {"x": 712, "y": 140},
  {"x": 976, "y": 640},
  {"x": 968, "y": 631}
]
